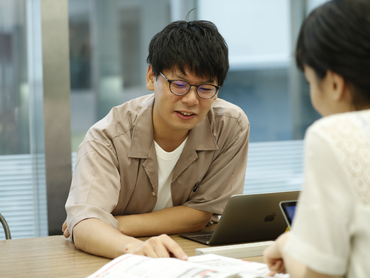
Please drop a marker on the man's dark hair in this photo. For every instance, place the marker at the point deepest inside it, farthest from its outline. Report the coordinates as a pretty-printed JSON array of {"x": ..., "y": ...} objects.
[
  {"x": 196, "y": 45},
  {"x": 336, "y": 37}
]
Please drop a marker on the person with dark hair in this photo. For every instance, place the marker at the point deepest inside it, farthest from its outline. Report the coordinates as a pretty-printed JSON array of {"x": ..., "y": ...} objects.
[
  {"x": 330, "y": 235},
  {"x": 164, "y": 163}
]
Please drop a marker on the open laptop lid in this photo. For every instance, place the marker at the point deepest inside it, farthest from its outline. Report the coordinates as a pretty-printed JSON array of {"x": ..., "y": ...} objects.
[
  {"x": 248, "y": 218},
  {"x": 288, "y": 209}
]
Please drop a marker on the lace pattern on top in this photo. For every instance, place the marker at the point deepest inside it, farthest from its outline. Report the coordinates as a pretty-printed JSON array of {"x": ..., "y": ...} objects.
[{"x": 350, "y": 134}]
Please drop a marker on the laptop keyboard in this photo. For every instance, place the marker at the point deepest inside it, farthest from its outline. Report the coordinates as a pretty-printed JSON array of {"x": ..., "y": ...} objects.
[{"x": 202, "y": 237}]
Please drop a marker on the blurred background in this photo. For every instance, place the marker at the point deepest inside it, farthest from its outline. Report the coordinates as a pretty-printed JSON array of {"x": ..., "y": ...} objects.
[{"x": 48, "y": 101}]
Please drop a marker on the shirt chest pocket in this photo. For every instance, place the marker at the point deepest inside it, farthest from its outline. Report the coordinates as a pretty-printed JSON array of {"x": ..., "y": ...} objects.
[{"x": 194, "y": 190}]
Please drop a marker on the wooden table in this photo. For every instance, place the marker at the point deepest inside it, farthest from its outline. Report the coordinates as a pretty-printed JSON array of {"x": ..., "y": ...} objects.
[{"x": 55, "y": 256}]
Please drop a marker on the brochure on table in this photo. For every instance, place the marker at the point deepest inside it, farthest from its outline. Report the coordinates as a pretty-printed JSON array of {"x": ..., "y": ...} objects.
[{"x": 210, "y": 266}]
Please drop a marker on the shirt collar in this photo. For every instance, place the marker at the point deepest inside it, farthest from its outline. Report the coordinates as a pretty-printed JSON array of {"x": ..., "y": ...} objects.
[{"x": 200, "y": 137}]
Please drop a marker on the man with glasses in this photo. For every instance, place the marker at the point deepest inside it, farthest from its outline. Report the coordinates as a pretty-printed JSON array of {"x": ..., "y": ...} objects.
[{"x": 164, "y": 163}]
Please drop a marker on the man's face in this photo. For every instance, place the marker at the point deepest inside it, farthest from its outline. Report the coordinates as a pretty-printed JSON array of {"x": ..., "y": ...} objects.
[{"x": 176, "y": 115}]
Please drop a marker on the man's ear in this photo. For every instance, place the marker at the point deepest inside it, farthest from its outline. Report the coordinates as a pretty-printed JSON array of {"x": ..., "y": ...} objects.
[{"x": 150, "y": 78}]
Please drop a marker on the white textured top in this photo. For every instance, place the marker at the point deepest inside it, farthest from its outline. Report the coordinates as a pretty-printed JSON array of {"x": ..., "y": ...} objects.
[
  {"x": 331, "y": 229},
  {"x": 166, "y": 165}
]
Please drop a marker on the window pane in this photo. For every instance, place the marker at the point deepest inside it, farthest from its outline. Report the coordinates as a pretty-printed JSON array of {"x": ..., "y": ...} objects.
[
  {"x": 108, "y": 49},
  {"x": 22, "y": 195},
  {"x": 264, "y": 82},
  {"x": 108, "y": 64}
]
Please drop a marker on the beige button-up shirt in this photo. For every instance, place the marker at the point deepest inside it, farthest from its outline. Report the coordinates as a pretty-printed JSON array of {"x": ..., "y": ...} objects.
[{"x": 116, "y": 169}]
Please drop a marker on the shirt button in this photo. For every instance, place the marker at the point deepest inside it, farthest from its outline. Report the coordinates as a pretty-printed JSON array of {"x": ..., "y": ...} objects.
[{"x": 153, "y": 193}]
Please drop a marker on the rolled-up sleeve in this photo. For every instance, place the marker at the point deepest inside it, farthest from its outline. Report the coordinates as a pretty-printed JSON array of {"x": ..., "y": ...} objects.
[
  {"x": 321, "y": 232},
  {"x": 95, "y": 185}
]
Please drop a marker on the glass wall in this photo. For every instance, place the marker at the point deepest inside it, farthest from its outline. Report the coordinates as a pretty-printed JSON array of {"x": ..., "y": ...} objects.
[
  {"x": 108, "y": 49},
  {"x": 14, "y": 102},
  {"x": 259, "y": 35},
  {"x": 108, "y": 46},
  {"x": 22, "y": 174}
]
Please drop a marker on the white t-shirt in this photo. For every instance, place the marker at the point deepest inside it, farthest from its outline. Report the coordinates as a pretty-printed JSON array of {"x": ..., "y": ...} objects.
[
  {"x": 331, "y": 229},
  {"x": 166, "y": 166}
]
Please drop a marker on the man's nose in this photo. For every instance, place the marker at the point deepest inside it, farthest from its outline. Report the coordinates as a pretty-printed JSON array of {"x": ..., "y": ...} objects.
[{"x": 191, "y": 98}]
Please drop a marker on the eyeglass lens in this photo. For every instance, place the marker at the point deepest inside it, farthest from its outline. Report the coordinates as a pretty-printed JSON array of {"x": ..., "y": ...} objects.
[{"x": 181, "y": 87}]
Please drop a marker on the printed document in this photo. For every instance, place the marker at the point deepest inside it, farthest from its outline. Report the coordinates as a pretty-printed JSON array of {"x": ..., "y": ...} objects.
[{"x": 207, "y": 266}]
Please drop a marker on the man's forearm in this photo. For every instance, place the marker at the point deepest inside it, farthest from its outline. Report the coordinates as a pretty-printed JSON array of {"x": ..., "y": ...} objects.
[
  {"x": 97, "y": 237},
  {"x": 179, "y": 219}
]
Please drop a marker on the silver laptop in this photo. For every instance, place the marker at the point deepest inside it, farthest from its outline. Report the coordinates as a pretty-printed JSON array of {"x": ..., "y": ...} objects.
[{"x": 248, "y": 218}]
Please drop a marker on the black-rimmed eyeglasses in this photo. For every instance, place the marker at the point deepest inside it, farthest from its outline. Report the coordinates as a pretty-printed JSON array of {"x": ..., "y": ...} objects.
[{"x": 180, "y": 88}]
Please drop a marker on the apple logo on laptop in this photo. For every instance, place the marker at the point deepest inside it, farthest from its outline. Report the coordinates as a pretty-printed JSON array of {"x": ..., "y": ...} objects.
[{"x": 270, "y": 217}]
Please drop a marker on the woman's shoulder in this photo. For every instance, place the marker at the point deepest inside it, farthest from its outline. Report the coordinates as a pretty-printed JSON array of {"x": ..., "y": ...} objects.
[
  {"x": 347, "y": 137},
  {"x": 343, "y": 125}
]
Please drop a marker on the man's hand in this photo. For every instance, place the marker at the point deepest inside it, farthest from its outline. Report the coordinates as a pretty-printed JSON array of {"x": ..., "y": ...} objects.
[
  {"x": 96, "y": 237},
  {"x": 65, "y": 230},
  {"x": 157, "y": 247}
]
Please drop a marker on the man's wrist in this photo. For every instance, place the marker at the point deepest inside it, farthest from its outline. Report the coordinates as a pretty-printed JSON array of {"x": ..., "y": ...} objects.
[{"x": 130, "y": 247}]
